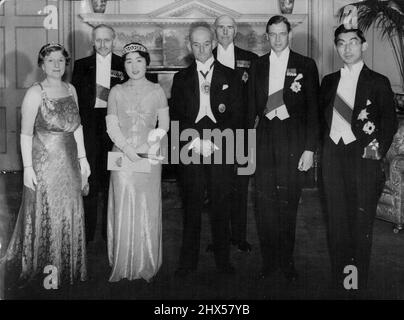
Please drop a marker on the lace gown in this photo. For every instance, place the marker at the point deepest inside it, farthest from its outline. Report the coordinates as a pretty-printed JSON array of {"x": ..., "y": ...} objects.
[
  {"x": 134, "y": 203},
  {"x": 50, "y": 224}
]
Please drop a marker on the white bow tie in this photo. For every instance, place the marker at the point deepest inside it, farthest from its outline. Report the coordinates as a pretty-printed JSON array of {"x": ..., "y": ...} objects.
[{"x": 204, "y": 68}]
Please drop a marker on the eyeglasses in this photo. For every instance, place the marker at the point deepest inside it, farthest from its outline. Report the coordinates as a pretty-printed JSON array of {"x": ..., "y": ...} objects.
[{"x": 351, "y": 43}]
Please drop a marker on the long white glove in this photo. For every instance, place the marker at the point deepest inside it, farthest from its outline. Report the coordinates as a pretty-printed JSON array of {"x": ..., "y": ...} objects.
[
  {"x": 81, "y": 153},
  {"x": 154, "y": 140},
  {"x": 26, "y": 152},
  {"x": 118, "y": 138}
]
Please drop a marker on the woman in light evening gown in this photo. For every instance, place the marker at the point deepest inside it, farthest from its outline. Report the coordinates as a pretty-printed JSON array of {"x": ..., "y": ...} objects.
[
  {"x": 50, "y": 226},
  {"x": 134, "y": 203}
]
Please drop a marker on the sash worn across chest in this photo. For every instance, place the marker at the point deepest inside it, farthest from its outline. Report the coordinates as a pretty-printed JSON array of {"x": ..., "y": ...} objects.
[
  {"x": 340, "y": 127},
  {"x": 275, "y": 100},
  {"x": 343, "y": 109}
]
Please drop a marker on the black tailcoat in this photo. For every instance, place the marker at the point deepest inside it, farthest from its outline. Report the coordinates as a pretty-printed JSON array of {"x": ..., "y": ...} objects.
[
  {"x": 96, "y": 139},
  {"x": 280, "y": 145},
  {"x": 351, "y": 183},
  {"x": 238, "y": 219},
  {"x": 225, "y": 91}
]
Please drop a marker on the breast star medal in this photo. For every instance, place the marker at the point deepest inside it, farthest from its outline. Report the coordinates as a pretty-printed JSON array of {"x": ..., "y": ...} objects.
[{"x": 363, "y": 115}]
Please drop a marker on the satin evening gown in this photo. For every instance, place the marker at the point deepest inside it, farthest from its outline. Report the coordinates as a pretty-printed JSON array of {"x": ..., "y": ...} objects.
[
  {"x": 134, "y": 203},
  {"x": 50, "y": 224}
]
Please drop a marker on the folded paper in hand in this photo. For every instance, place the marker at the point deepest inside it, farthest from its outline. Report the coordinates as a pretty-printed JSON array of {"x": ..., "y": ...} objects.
[
  {"x": 102, "y": 92},
  {"x": 117, "y": 161}
]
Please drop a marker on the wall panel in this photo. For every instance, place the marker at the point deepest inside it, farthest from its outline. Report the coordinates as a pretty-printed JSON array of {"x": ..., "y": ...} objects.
[
  {"x": 3, "y": 130},
  {"x": 2, "y": 59},
  {"x": 28, "y": 42},
  {"x": 29, "y": 7}
]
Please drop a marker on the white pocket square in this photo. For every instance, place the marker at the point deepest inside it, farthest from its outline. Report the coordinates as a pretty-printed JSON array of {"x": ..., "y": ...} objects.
[
  {"x": 225, "y": 86},
  {"x": 299, "y": 76},
  {"x": 368, "y": 102}
]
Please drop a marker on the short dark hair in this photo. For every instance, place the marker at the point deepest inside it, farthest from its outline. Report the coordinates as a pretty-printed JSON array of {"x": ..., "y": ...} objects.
[
  {"x": 342, "y": 29},
  {"x": 276, "y": 20},
  {"x": 143, "y": 54},
  {"x": 48, "y": 48},
  {"x": 200, "y": 24}
]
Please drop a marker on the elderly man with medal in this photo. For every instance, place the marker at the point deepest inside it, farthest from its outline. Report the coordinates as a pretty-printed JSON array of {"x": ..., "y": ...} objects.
[
  {"x": 232, "y": 56},
  {"x": 205, "y": 97}
]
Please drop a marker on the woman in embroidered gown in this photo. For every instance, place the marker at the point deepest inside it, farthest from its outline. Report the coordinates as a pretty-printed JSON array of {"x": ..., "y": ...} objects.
[
  {"x": 134, "y": 203},
  {"x": 50, "y": 226}
]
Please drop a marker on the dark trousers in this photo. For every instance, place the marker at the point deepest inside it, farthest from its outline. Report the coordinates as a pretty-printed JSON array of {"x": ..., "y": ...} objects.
[
  {"x": 352, "y": 186},
  {"x": 217, "y": 179},
  {"x": 277, "y": 191},
  {"x": 97, "y": 151},
  {"x": 238, "y": 216}
]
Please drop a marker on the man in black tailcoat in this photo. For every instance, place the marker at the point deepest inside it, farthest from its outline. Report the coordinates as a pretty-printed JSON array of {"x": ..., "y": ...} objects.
[
  {"x": 283, "y": 95},
  {"x": 359, "y": 123},
  {"x": 206, "y": 95},
  {"x": 93, "y": 77},
  {"x": 239, "y": 60}
]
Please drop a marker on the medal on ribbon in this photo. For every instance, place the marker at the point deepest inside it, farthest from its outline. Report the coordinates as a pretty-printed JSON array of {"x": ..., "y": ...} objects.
[
  {"x": 243, "y": 64},
  {"x": 205, "y": 87}
]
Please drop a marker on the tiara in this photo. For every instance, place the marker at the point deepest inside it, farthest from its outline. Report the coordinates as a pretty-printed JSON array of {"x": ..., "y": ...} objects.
[
  {"x": 51, "y": 45},
  {"x": 133, "y": 47}
]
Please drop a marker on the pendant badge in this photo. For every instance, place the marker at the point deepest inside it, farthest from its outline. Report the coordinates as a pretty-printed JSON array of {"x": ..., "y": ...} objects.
[
  {"x": 205, "y": 87},
  {"x": 222, "y": 108}
]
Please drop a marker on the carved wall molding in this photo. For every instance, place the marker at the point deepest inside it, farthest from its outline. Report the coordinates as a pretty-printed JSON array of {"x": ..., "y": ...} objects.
[
  {"x": 165, "y": 31},
  {"x": 184, "y": 12},
  {"x": 178, "y": 8},
  {"x": 95, "y": 19}
]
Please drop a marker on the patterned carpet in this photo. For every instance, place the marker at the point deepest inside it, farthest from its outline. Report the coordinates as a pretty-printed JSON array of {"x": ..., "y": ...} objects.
[{"x": 311, "y": 256}]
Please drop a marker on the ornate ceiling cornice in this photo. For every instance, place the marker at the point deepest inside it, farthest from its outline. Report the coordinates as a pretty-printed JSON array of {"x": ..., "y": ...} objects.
[{"x": 184, "y": 12}]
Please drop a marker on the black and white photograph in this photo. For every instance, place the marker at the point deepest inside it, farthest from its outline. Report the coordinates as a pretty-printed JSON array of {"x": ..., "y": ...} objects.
[{"x": 176, "y": 152}]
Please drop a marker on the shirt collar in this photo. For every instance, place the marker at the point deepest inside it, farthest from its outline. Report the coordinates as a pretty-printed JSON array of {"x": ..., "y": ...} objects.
[
  {"x": 107, "y": 58},
  {"x": 229, "y": 49},
  {"x": 204, "y": 66},
  {"x": 354, "y": 71},
  {"x": 284, "y": 56}
]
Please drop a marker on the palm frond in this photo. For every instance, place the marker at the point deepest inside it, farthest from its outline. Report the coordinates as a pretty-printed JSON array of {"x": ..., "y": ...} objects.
[{"x": 387, "y": 15}]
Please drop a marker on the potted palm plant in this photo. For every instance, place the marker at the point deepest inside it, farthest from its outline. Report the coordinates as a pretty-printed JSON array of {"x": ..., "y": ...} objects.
[{"x": 388, "y": 17}]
